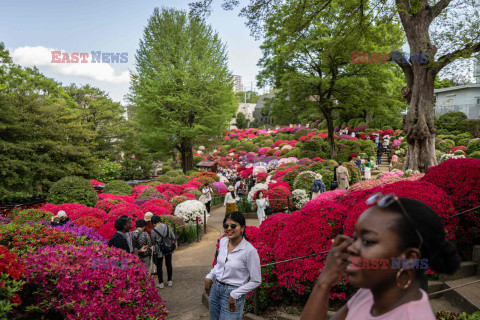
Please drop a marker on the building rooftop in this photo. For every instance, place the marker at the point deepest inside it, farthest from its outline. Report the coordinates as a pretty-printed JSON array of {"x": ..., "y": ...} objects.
[{"x": 466, "y": 86}]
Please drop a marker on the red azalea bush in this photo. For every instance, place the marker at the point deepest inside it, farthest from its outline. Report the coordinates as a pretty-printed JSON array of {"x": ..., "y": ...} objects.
[
  {"x": 128, "y": 209},
  {"x": 107, "y": 230},
  {"x": 96, "y": 183},
  {"x": 27, "y": 238},
  {"x": 462, "y": 148},
  {"x": 189, "y": 195},
  {"x": 268, "y": 234},
  {"x": 460, "y": 179},
  {"x": 262, "y": 176},
  {"x": 156, "y": 210},
  {"x": 423, "y": 191},
  {"x": 272, "y": 184},
  {"x": 175, "y": 201},
  {"x": 279, "y": 198},
  {"x": 31, "y": 215},
  {"x": 139, "y": 189},
  {"x": 169, "y": 195},
  {"x": 158, "y": 202},
  {"x": 125, "y": 198},
  {"x": 320, "y": 221},
  {"x": 107, "y": 204},
  {"x": 251, "y": 233},
  {"x": 91, "y": 222},
  {"x": 99, "y": 282},
  {"x": 12, "y": 273}
]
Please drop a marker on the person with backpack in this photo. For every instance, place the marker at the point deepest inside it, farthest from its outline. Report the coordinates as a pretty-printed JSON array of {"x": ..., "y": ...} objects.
[
  {"x": 140, "y": 238},
  {"x": 164, "y": 240},
  {"x": 122, "y": 239},
  {"x": 318, "y": 186},
  {"x": 240, "y": 187}
]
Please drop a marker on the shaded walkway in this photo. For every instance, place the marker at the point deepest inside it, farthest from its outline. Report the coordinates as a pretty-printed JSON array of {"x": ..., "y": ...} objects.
[{"x": 190, "y": 266}]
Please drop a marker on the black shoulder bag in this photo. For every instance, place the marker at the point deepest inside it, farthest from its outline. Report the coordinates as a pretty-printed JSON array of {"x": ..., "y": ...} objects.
[{"x": 166, "y": 245}]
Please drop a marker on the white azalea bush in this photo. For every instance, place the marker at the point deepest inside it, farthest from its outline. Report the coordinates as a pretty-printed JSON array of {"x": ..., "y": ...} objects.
[
  {"x": 258, "y": 169},
  {"x": 190, "y": 210},
  {"x": 448, "y": 156},
  {"x": 287, "y": 147},
  {"x": 300, "y": 198},
  {"x": 258, "y": 186},
  {"x": 287, "y": 160}
]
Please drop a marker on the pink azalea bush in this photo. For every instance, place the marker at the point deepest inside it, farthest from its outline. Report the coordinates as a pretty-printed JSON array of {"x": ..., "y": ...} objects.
[
  {"x": 158, "y": 202},
  {"x": 85, "y": 288},
  {"x": 125, "y": 198},
  {"x": 107, "y": 204}
]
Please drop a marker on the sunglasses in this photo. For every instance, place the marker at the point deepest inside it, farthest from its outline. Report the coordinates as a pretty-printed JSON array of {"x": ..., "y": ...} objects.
[
  {"x": 226, "y": 225},
  {"x": 383, "y": 201}
]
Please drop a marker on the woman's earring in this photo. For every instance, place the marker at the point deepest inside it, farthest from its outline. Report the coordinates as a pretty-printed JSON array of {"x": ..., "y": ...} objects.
[{"x": 399, "y": 283}]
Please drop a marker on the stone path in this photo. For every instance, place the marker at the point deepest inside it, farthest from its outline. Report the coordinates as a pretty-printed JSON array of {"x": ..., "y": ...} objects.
[{"x": 190, "y": 266}]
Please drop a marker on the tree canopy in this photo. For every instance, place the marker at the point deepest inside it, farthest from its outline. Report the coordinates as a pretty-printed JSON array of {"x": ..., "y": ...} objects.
[{"x": 183, "y": 90}]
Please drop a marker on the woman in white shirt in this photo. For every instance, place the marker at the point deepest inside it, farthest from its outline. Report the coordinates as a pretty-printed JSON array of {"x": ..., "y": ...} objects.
[
  {"x": 207, "y": 192},
  {"x": 262, "y": 204},
  {"x": 237, "y": 261},
  {"x": 230, "y": 202}
]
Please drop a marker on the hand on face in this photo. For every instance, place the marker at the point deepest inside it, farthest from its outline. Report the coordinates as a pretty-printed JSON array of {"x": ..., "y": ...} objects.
[{"x": 336, "y": 262}]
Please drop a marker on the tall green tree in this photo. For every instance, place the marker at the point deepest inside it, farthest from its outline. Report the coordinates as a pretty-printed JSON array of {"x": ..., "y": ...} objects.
[
  {"x": 241, "y": 121},
  {"x": 41, "y": 137},
  {"x": 314, "y": 69},
  {"x": 182, "y": 89},
  {"x": 102, "y": 116}
]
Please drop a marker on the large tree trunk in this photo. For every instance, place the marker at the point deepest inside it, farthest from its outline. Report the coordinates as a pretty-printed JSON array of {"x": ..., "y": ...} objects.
[
  {"x": 420, "y": 78},
  {"x": 419, "y": 125},
  {"x": 187, "y": 154},
  {"x": 331, "y": 137}
]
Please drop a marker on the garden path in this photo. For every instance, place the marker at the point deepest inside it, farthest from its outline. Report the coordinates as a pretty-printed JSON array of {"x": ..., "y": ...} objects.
[{"x": 190, "y": 266}]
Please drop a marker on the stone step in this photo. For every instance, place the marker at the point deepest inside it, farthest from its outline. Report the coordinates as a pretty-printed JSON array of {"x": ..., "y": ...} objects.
[
  {"x": 442, "y": 304},
  {"x": 467, "y": 269},
  {"x": 466, "y": 298}
]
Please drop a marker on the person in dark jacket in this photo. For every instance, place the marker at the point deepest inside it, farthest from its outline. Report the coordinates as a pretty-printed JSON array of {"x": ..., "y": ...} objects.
[
  {"x": 250, "y": 182},
  {"x": 122, "y": 239},
  {"x": 379, "y": 155}
]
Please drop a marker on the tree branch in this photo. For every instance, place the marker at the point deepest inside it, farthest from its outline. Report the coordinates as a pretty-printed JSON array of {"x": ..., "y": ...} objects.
[
  {"x": 438, "y": 8},
  {"x": 404, "y": 9},
  {"x": 452, "y": 56}
]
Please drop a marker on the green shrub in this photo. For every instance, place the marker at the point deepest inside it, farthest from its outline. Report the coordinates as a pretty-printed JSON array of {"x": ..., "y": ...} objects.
[
  {"x": 459, "y": 153},
  {"x": 300, "y": 133},
  {"x": 294, "y": 151},
  {"x": 311, "y": 145},
  {"x": 304, "y": 180},
  {"x": 473, "y": 147},
  {"x": 164, "y": 179},
  {"x": 290, "y": 176},
  {"x": 189, "y": 172},
  {"x": 181, "y": 180},
  {"x": 353, "y": 171},
  {"x": 174, "y": 173},
  {"x": 462, "y": 142},
  {"x": 307, "y": 154},
  {"x": 268, "y": 142},
  {"x": 442, "y": 132},
  {"x": 450, "y": 120},
  {"x": 439, "y": 155},
  {"x": 462, "y": 136},
  {"x": 445, "y": 145},
  {"x": 119, "y": 187},
  {"x": 471, "y": 126},
  {"x": 475, "y": 154},
  {"x": 197, "y": 159},
  {"x": 72, "y": 189},
  {"x": 31, "y": 215},
  {"x": 110, "y": 170}
]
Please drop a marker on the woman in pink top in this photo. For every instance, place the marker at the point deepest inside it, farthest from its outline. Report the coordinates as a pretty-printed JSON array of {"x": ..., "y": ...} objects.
[{"x": 394, "y": 242}]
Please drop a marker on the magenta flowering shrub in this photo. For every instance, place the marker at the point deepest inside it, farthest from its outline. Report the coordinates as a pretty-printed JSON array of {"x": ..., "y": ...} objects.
[
  {"x": 252, "y": 233},
  {"x": 124, "y": 198},
  {"x": 107, "y": 204},
  {"x": 80, "y": 231},
  {"x": 158, "y": 202},
  {"x": 460, "y": 179},
  {"x": 74, "y": 282},
  {"x": 107, "y": 230},
  {"x": 156, "y": 210},
  {"x": 426, "y": 192},
  {"x": 128, "y": 209},
  {"x": 330, "y": 195},
  {"x": 320, "y": 221},
  {"x": 394, "y": 174},
  {"x": 268, "y": 234},
  {"x": 189, "y": 195},
  {"x": 138, "y": 190},
  {"x": 218, "y": 187},
  {"x": 279, "y": 198}
]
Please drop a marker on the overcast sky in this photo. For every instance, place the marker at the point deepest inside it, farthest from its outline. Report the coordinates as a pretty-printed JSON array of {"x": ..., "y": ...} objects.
[{"x": 31, "y": 29}]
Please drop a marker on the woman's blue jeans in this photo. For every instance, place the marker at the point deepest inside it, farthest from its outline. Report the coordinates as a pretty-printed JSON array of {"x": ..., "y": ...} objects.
[{"x": 218, "y": 302}]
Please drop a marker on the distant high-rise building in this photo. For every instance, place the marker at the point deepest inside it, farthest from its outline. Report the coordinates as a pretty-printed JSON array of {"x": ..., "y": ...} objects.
[{"x": 237, "y": 83}]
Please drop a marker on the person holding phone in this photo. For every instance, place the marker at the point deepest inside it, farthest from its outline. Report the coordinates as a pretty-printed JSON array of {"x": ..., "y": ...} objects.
[{"x": 237, "y": 261}]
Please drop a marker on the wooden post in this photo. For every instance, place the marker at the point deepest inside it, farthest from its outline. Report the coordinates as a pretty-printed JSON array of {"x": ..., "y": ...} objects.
[
  {"x": 198, "y": 231},
  {"x": 204, "y": 222},
  {"x": 175, "y": 233}
]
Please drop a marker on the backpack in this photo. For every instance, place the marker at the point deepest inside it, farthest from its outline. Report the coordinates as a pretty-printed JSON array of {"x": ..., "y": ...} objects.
[
  {"x": 166, "y": 245},
  {"x": 136, "y": 245}
]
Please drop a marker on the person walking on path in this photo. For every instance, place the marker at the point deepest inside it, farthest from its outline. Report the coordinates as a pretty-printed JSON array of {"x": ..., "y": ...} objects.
[
  {"x": 251, "y": 182},
  {"x": 262, "y": 204},
  {"x": 393, "y": 229},
  {"x": 318, "y": 186},
  {"x": 226, "y": 285},
  {"x": 162, "y": 232},
  {"x": 230, "y": 202},
  {"x": 343, "y": 177},
  {"x": 140, "y": 238},
  {"x": 379, "y": 155},
  {"x": 207, "y": 192},
  {"x": 368, "y": 169}
]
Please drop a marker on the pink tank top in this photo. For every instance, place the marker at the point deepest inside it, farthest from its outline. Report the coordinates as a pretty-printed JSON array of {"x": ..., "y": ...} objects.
[{"x": 361, "y": 303}]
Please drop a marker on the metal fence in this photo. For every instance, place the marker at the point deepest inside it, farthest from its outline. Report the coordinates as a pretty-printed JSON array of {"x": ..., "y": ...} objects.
[{"x": 471, "y": 110}]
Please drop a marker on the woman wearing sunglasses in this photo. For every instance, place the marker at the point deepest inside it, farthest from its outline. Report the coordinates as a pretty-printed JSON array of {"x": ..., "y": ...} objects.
[
  {"x": 394, "y": 242},
  {"x": 237, "y": 261}
]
